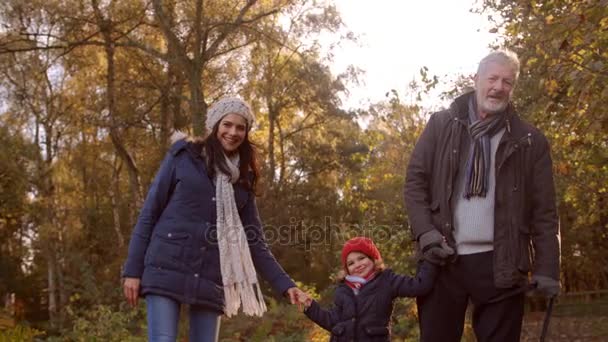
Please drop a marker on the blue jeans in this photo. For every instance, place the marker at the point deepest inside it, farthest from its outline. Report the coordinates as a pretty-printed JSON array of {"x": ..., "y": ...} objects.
[{"x": 163, "y": 317}]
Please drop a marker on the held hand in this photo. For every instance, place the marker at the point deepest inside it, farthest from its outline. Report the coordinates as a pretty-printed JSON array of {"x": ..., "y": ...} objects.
[
  {"x": 131, "y": 290},
  {"x": 297, "y": 296},
  {"x": 304, "y": 298},
  {"x": 434, "y": 247}
]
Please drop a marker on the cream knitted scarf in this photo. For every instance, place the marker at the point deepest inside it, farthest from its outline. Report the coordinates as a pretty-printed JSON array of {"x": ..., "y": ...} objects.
[{"x": 238, "y": 272}]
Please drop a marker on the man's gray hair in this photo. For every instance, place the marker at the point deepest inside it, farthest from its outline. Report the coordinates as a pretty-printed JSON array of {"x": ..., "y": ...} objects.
[{"x": 504, "y": 57}]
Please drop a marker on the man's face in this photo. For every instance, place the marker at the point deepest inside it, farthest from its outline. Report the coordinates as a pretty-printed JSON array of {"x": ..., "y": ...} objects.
[{"x": 493, "y": 87}]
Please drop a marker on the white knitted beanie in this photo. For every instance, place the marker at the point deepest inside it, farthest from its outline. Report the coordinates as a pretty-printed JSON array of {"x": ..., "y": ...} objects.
[{"x": 225, "y": 106}]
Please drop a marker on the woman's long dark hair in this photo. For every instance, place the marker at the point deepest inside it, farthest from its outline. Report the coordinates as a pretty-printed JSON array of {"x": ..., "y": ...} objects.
[{"x": 249, "y": 171}]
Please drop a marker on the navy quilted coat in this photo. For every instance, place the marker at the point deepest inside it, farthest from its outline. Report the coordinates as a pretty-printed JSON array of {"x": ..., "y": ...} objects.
[{"x": 173, "y": 248}]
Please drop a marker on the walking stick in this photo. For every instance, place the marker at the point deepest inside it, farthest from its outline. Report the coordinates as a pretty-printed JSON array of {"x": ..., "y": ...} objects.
[
  {"x": 547, "y": 319},
  {"x": 513, "y": 292}
]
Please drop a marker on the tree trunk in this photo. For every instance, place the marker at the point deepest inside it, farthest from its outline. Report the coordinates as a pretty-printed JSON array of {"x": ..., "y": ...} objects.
[
  {"x": 271, "y": 159},
  {"x": 170, "y": 94},
  {"x": 50, "y": 228},
  {"x": 114, "y": 197},
  {"x": 106, "y": 28},
  {"x": 198, "y": 107},
  {"x": 165, "y": 104},
  {"x": 281, "y": 156},
  {"x": 179, "y": 122},
  {"x": 61, "y": 289},
  {"x": 52, "y": 289}
]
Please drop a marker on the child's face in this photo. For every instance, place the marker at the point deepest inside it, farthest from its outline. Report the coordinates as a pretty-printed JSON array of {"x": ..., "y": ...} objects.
[{"x": 359, "y": 264}]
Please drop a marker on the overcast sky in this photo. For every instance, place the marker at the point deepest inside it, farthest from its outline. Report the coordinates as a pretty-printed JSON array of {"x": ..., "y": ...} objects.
[{"x": 398, "y": 37}]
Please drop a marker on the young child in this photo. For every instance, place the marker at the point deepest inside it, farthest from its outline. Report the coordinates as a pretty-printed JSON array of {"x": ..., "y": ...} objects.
[{"x": 363, "y": 302}]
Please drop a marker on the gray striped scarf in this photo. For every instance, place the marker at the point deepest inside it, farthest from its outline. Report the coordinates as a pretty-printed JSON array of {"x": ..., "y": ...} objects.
[{"x": 477, "y": 170}]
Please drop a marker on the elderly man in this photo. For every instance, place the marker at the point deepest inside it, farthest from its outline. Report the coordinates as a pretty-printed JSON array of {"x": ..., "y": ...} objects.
[{"x": 480, "y": 197}]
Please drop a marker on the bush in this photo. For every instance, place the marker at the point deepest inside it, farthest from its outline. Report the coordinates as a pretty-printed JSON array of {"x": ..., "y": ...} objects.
[
  {"x": 103, "y": 323},
  {"x": 19, "y": 333},
  {"x": 281, "y": 323}
]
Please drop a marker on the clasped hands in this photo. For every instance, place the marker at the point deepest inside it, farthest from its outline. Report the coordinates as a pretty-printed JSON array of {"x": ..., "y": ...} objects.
[{"x": 299, "y": 297}]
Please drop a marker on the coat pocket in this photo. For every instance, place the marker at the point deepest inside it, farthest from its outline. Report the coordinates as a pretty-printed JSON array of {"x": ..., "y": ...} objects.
[
  {"x": 436, "y": 215},
  {"x": 211, "y": 264},
  {"x": 376, "y": 331},
  {"x": 338, "y": 330},
  {"x": 210, "y": 291},
  {"x": 166, "y": 250},
  {"x": 524, "y": 259}
]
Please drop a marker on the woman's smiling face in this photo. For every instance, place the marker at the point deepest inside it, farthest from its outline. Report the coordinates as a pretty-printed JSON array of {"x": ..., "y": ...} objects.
[{"x": 231, "y": 132}]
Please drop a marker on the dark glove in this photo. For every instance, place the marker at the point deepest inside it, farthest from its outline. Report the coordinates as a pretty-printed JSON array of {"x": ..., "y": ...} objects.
[
  {"x": 434, "y": 247},
  {"x": 545, "y": 286}
]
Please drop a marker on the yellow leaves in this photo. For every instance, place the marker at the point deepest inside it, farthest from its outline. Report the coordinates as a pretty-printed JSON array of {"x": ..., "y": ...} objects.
[
  {"x": 317, "y": 334},
  {"x": 75, "y": 297},
  {"x": 577, "y": 41},
  {"x": 549, "y": 19},
  {"x": 581, "y": 111},
  {"x": 541, "y": 51},
  {"x": 604, "y": 23},
  {"x": 562, "y": 168},
  {"x": 530, "y": 62},
  {"x": 551, "y": 86}
]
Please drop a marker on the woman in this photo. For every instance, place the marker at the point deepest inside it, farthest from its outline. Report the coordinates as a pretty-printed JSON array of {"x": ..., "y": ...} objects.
[{"x": 199, "y": 236}]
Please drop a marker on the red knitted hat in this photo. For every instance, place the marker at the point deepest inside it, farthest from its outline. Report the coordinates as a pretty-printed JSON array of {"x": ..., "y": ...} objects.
[{"x": 363, "y": 245}]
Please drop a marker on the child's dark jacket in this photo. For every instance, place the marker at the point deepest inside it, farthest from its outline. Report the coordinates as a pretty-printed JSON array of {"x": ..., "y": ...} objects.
[{"x": 366, "y": 316}]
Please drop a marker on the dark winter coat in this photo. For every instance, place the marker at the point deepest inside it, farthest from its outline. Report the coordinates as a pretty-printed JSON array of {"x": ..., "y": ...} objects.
[
  {"x": 173, "y": 248},
  {"x": 526, "y": 233},
  {"x": 366, "y": 316}
]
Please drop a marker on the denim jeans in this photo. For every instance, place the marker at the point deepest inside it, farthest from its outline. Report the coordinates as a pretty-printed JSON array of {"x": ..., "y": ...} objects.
[{"x": 163, "y": 318}]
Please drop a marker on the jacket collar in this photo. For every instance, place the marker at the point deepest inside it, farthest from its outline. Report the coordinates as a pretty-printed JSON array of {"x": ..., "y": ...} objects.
[
  {"x": 178, "y": 146},
  {"x": 460, "y": 107}
]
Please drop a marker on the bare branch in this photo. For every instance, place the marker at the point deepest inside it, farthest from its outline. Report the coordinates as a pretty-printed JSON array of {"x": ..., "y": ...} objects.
[
  {"x": 175, "y": 46},
  {"x": 146, "y": 48},
  {"x": 303, "y": 127},
  {"x": 228, "y": 28}
]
